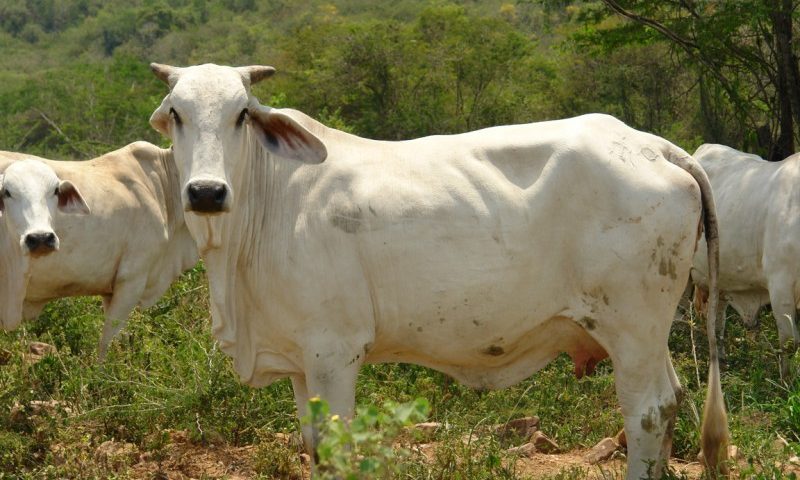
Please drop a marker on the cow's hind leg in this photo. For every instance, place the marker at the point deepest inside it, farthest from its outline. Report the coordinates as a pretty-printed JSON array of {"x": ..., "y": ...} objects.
[
  {"x": 647, "y": 394},
  {"x": 781, "y": 295}
]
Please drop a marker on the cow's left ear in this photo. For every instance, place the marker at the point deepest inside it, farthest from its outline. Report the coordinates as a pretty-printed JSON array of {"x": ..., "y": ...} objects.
[
  {"x": 284, "y": 136},
  {"x": 70, "y": 199}
]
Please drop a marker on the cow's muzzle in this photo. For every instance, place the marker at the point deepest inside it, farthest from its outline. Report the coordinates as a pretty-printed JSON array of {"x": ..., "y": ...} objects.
[
  {"x": 206, "y": 196},
  {"x": 41, "y": 243}
]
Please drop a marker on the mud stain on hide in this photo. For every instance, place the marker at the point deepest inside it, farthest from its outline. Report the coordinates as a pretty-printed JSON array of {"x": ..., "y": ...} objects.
[
  {"x": 347, "y": 219},
  {"x": 494, "y": 351}
]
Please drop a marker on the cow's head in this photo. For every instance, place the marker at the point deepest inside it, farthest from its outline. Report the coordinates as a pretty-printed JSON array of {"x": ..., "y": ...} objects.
[
  {"x": 210, "y": 115},
  {"x": 30, "y": 193}
]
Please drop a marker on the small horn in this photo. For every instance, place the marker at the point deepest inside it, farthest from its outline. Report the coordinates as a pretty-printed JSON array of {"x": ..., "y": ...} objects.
[
  {"x": 256, "y": 73},
  {"x": 164, "y": 72}
]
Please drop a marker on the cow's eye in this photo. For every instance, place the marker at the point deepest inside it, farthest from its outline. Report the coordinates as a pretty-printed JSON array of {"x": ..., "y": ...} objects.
[
  {"x": 242, "y": 117},
  {"x": 6, "y": 194},
  {"x": 55, "y": 192},
  {"x": 175, "y": 116}
]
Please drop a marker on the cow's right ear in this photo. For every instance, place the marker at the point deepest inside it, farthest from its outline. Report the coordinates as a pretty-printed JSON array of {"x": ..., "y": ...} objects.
[{"x": 70, "y": 199}]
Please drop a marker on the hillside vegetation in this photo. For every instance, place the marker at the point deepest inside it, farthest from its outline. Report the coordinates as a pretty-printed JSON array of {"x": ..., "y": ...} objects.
[{"x": 75, "y": 83}]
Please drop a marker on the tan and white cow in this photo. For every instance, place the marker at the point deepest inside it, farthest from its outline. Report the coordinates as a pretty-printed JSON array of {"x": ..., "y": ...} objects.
[
  {"x": 482, "y": 255},
  {"x": 129, "y": 249},
  {"x": 758, "y": 206}
]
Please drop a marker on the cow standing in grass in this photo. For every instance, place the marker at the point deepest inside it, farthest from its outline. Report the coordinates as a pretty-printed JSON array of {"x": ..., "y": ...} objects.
[
  {"x": 482, "y": 255},
  {"x": 129, "y": 245},
  {"x": 758, "y": 204}
]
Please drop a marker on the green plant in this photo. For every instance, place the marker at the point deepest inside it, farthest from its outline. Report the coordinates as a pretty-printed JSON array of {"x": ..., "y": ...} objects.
[{"x": 363, "y": 447}]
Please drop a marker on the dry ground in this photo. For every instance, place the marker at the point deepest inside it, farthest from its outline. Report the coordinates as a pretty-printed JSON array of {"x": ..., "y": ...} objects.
[{"x": 181, "y": 459}]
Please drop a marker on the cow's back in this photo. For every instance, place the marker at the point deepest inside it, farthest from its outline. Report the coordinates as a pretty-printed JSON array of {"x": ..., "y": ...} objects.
[{"x": 752, "y": 197}]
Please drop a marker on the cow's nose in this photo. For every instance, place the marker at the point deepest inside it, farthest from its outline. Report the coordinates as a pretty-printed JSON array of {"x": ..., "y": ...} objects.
[
  {"x": 206, "y": 196},
  {"x": 40, "y": 243}
]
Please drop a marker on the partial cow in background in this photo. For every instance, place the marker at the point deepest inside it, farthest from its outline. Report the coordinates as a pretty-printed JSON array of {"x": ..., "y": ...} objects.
[
  {"x": 758, "y": 206},
  {"x": 482, "y": 255},
  {"x": 129, "y": 249}
]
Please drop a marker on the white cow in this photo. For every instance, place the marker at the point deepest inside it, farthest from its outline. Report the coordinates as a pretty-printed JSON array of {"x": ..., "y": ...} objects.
[
  {"x": 482, "y": 255},
  {"x": 758, "y": 206},
  {"x": 129, "y": 249}
]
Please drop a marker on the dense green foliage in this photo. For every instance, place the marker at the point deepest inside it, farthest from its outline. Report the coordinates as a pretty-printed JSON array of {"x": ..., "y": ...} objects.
[
  {"x": 74, "y": 83},
  {"x": 74, "y": 80}
]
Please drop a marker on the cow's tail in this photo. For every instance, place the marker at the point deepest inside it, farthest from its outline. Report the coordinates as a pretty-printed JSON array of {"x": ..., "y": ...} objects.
[{"x": 714, "y": 433}]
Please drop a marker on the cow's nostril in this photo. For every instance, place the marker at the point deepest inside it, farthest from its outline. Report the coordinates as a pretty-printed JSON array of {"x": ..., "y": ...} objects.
[
  {"x": 50, "y": 239},
  {"x": 193, "y": 192},
  {"x": 219, "y": 194},
  {"x": 31, "y": 241}
]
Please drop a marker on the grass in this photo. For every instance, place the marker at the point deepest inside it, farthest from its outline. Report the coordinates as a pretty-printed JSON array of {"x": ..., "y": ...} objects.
[{"x": 166, "y": 375}]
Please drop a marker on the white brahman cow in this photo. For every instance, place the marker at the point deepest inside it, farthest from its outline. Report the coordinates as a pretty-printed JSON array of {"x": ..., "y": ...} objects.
[
  {"x": 129, "y": 249},
  {"x": 758, "y": 206},
  {"x": 482, "y": 255}
]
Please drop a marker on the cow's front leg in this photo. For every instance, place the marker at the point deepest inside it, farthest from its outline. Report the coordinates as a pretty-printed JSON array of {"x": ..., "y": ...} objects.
[
  {"x": 301, "y": 398},
  {"x": 118, "y": 307},
  {"x": 331, "y": 376}
]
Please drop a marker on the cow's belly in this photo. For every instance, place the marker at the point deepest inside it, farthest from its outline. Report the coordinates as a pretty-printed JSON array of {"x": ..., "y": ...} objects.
[{"x": 504, "y": 358}]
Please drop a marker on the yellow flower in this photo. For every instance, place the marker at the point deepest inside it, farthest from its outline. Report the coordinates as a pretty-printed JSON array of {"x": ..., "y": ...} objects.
[{"x": 335, "y": 418}]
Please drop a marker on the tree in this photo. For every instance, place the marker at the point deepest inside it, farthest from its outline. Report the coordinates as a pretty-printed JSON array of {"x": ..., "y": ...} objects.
[{"x": 741, "y": 48}]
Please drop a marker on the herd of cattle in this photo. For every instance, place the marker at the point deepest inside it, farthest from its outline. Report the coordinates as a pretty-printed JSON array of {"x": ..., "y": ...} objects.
[{"x": 482, "y": 255}]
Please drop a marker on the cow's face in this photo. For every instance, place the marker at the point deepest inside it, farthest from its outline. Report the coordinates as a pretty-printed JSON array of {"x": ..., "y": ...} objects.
[
  {"x": 210, "y": 116},
  {"x": 30, "y": 193}
]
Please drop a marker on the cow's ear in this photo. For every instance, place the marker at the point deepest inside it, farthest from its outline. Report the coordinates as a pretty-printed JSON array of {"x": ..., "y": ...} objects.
[
  {"x": 70, "y": 199},
  {"x": 282, "y": 135},
  {"x": 160, "y": 118}
]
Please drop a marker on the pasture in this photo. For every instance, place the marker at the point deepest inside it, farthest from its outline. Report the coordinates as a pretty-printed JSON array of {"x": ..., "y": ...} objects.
[
  {"x": 168, "y": 392},
  {"x": 167, "y": 404}
]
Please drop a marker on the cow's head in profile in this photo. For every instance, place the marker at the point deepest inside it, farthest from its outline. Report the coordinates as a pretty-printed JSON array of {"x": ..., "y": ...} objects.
[
  {"x": 211, "y": 118},
  {"x": 30, "y": 194}
]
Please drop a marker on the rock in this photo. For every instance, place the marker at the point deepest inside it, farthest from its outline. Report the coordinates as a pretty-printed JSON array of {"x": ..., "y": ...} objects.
[
  {"x": 521, "y": 427},
  {"x": 602, "y": 451},
  {"x": 424, "y": 432},
  {"x": 292, "y": 440},
  {"x": 544, "y": 444},
  {"x": 429, "y": 428},
  {"x": 526, "y": 450},
  {"x": 621, "y": 439},
  {"x": 37, "y": 351},
  {"x": 116, "y": 455},
  {"x": 41, "y": 349},
  {"x": 38, "y": 408},
  {"x": 780, "y": 444}
]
